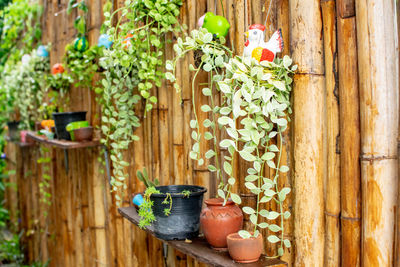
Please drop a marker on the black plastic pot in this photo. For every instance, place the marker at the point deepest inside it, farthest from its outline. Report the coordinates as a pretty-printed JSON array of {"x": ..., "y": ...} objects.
[
  {"x": 13, "y": 131},
  {"x": 62, "y": 119},
  {"x": 184, "y": 220}
]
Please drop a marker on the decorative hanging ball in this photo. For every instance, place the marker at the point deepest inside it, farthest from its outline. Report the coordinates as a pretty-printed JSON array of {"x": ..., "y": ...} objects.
[
  {"x": 104, "y": 40},
  {"x": 81, "y": 44},
  {"x": 138, "y": 200},
  {"x": 42, "y": 51},
  {"x": 25, "y": 59},
  {"x": 57, "y": 68},
  {"x": 127, "y": 40},
  {"x": 217, "y": 25}
]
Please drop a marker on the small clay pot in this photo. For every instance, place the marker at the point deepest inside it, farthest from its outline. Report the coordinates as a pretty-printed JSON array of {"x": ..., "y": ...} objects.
[
  {"x": 218, "y": 221},
  {"x": 83, "y": 134},
  {"x": 244, "y": 250}
]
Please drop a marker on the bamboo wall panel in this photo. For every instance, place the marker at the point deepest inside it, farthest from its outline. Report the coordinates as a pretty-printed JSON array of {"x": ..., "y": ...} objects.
[
  {"x": 308, "y": 140},
  {"x": 378, "y": 68},
  {"x": 349, "y": 142},
  {"x": 338, "y": 56},
  {"x": 332, "y": 182}
]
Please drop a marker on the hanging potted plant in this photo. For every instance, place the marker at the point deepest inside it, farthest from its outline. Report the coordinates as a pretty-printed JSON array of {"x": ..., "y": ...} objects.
[
  {"x": 221, "y": 216},
  {"x": 132, "y": 71},
  {"x": 257, "y": 96},
  {"x": 173, "y": 210}
]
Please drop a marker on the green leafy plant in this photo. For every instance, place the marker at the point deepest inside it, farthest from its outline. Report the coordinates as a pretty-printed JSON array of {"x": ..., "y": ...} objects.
[
  {"x": 80, "y": 21},
  {"x": 211, "y": 57},
  {"x": 81, "y": 65},
  {"x": 144, "y": 178},
  {"x": 44, "y": 186},
  {"x": 132, "y": 70},
  {"x": 24, "y": 84},
  {"x": 21, "y": 30},
  {"x": 258, "y": 97},
  {"x": 57, "y": 87}
]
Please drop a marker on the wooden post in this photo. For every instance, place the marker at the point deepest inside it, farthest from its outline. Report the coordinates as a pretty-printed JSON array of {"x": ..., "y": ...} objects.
[
  {"x": 308, "y": 97},
  {"x": 332, "y": 192},
  {"x": 378, "y": 67},
  {"x": 349, "y": 142}
]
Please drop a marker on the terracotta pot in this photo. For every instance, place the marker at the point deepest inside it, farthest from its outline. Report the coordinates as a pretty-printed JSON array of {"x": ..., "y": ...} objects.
[
  {"x": 218, "y": 221},
  {"x": 83, "y": 134},
  {"x": 244, "y": 250}
]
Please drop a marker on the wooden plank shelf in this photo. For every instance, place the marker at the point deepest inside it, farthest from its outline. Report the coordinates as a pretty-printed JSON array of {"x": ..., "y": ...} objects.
[
  {"x": 200, "y": 249},
  {"x": 20, "y": 144},
  {"x": 64, "y": 144}
]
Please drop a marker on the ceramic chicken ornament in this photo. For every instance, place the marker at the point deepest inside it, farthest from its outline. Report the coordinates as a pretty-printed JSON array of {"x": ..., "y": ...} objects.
[
  {"x": 25, "y": 59},
  {"x": 42, "y": 51},
  {"x": 57, "y": 68},
  {"x": 104, "y": 40},
  {"x": 257, "y": 48},
  {"x": 127, "y": 40},
  {"x": 217, "y": 25}
]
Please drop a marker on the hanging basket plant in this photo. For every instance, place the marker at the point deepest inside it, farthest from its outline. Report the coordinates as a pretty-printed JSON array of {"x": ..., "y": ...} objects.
[
  {"x": 258, "y": 97},
  {"x": 133, "y": 68}
]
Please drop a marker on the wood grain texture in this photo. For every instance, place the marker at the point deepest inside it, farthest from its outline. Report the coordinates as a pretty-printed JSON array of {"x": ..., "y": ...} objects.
[
  {"x": 308, "y": 128},
  {"x": 332, "y": 179},
  {"x": 349, "y": 142},
  {"x": 378, "y": 67}
]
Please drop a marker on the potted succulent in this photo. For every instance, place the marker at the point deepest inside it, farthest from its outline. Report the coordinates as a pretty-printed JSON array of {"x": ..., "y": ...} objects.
[
  {"x": 173, "y": 210},
  {"x": 258, "y": 97}
]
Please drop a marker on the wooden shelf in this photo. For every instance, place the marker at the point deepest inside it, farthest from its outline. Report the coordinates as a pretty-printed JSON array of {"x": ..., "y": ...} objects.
[
  {"x": 200, "y": 249},
  {"x": 20, "y": 144},
  {"x": 62, "y": 143}
]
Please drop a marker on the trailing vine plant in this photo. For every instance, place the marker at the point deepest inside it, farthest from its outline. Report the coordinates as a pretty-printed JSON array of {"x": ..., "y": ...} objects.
[
  {"x": 132, "y": 70},
  {"x": 22, "y": 29},
  {"x": 44, "y": 186},
  {"x": 258, "y": 97},
  {"x": 210, "y": 56}
]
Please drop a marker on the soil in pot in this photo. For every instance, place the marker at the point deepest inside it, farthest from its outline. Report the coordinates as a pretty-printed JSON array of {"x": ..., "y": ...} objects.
[
  {"x": 244, "y": 250},
  {"x": 218, "y": 221},
  {"x": 184, "y": 219},
  {"x": 63, "y": 118},
  {"x": 13, "y": 131}
]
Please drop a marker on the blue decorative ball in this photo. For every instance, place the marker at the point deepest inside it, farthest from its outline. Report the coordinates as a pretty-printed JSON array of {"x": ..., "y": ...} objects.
[
  {"x": 104, "y": 40},
  {"x": 137, "y": 200},
  {"x": 42, "y": 51}
]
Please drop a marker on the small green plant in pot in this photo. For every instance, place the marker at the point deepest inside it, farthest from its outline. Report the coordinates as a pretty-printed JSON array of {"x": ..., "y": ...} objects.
[
  {"x": 258, "y": 97},
  {"x": 173, "y": 210}
]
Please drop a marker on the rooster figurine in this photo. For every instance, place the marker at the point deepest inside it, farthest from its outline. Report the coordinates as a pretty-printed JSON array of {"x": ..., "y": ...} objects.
[{"x": 256, "y": 47}]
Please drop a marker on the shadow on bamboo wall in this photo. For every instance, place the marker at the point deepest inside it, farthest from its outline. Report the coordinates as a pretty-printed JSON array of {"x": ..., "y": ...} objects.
[{"x": 322, "y": 146}]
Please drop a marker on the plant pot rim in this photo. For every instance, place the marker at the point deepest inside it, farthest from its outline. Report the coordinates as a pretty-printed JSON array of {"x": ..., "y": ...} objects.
[
  {"x": 218, "y": 202},
  {"x": 200, "y": 191},
  {"x": 236, "y": 236},
  {"x": 87, "y": 127},
  {"x": 68, "y": 113}
]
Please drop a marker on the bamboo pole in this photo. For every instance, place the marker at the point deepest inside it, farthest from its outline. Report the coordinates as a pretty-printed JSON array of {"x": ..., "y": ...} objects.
[
  {"x": 397, "y": 251},
  {"x": 332, "y": 183},
  {"x": 308, "y": 139},
  {"x": 378, "y": 68},
  {"x": 349, "y": 142}
]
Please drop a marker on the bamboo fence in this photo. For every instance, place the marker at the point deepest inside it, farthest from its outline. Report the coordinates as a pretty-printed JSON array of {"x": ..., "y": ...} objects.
[{"x": 341, "y": 146}]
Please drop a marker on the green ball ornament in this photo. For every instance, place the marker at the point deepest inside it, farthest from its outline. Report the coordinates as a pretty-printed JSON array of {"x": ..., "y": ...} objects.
[
  {"x": 217, "y": 25},
  {"x": 81, "y": 44}
]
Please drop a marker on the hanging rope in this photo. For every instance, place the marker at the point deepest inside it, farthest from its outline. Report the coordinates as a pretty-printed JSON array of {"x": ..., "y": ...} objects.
[{"x": 266, "y": 18}]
